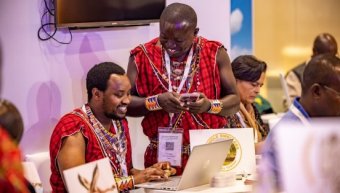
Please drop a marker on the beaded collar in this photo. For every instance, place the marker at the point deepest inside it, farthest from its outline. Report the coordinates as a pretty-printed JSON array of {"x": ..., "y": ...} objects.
[
  {"x": 114, "y": 145},
  {"x": 164, "y": 81},
  {"x": 162, "y": 77}
]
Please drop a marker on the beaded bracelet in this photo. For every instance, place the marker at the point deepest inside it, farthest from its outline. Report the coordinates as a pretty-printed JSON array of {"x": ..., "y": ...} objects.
[
  {"x": 151, "y": 103},
  {"x": 215, "y": 106},
  {"x": 125, "y": 183}
]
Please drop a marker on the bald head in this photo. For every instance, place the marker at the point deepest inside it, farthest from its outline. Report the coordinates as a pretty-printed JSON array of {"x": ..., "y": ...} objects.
[
  {"x": 178, "y": 13},
  {"x": 325, "y": 43},
  {"x": 322, "y": 69}
]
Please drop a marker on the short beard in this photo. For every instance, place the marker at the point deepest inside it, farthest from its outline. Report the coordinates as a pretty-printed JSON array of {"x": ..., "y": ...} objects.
[{"x": 112, "y": 116}]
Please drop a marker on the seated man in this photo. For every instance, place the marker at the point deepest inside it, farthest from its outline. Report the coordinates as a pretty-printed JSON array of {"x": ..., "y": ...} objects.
[
  {"x": 323, "y": 44},
  {"x": 320, "y": 98},
  {"x": 99, "y": 129}
]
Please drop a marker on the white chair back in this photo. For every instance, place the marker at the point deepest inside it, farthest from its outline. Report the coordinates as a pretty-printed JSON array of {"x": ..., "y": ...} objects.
[
  {"x": 31, "y": 174},
  {"x": 41, "y": 162}
]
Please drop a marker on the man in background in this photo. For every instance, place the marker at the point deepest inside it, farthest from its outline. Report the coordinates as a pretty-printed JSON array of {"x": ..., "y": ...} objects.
[
  {"x": 320, "y": 98},
  {"x": 324, "y": 43}
]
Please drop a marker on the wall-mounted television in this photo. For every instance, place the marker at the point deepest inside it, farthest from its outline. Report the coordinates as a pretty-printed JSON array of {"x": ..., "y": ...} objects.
[{"x": 103, "y": 13}]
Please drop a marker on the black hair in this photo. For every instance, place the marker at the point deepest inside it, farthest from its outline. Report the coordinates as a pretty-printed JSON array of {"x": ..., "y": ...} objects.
[
  {"x": 321, "y": 69},
  {"x": 325, "y": 43},
  {"x": 11, "y": 120},
  {"x": 177, "y": 12},
  {"x": 248, "y": 68},
  {"x": 99, "y": 74}
]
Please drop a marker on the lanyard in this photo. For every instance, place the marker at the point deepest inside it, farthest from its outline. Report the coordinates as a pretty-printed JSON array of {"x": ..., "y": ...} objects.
[
  {"x": 244, "y": 125},
  {"x": 184, "y": 78},
  {"x": 186, "y": 70},
  {"x": 299, "y": 115}
]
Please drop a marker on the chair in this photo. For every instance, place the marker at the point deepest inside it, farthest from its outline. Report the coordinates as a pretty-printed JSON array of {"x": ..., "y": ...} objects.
[
  {"x": 41, "y": 162},
  {"x": 31, "y": 174},
  {"x": 285, "y": 89}
]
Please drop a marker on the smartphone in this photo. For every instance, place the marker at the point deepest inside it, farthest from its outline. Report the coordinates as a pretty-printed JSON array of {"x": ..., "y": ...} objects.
[{"x": 189, "y": 97}]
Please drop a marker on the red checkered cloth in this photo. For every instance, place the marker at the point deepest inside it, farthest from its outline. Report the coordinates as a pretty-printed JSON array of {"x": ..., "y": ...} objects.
[
  {"x": 11, "y": 171},
  {"x": 69, "y": 125},
  {"x": 148, "y": 84}
]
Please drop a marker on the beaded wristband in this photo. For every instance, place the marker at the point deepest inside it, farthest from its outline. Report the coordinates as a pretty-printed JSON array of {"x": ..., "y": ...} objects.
[
  {"x": 215, "y": 106},
  {"x": 125, "y": 183},
  {"x": 151, "y": 103}
]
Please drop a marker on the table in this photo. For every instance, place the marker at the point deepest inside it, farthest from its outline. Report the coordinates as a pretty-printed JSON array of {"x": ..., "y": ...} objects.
[{"x": 239, "y": 186}]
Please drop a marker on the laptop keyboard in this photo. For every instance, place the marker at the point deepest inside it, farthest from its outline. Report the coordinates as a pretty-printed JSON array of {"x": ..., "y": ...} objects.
[{"x": 171, "y": 183}]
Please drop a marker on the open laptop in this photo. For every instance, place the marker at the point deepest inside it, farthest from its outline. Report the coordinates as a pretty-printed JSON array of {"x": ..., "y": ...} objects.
[
  {"x": 204, "y": 162},
  {"x": 241, "y": 159}
]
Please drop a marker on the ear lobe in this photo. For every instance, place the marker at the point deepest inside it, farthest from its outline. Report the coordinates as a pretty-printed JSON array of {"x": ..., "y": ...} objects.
[
  {"x": 316, "y": 91},
  {"x": 96, "y": 93},
  {"x": 196, "y": 31}
]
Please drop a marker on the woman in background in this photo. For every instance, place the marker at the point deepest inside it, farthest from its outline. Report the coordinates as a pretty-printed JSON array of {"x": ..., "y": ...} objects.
[
  {"x": 11, "y": 171},
  {"x": 250, "y": 74}
]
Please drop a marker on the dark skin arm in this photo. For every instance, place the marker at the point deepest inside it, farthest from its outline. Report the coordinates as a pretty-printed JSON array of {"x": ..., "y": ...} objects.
[
  {"x": 169, "y": 101},
  {"x": 72, "y": 153},
  {"x": 229, "y": 95}
]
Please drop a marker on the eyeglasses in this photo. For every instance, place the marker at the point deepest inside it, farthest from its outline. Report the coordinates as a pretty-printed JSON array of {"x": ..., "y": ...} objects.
[{"x": 331, "y": 89}]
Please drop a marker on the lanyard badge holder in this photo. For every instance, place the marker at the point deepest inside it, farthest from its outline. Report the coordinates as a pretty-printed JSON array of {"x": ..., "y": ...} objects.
[
  {"x": 170, "y": 145},
  {"x": 169, "y": 138}
]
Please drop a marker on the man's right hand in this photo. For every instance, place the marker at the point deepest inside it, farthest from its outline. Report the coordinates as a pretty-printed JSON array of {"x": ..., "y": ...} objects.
[
  {"x": 149, "y": 174},
  {"x": 170, "y": 102}
]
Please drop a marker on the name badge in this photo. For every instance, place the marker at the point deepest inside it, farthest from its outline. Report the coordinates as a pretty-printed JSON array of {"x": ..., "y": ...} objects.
[{"x": 170, "y": 145}]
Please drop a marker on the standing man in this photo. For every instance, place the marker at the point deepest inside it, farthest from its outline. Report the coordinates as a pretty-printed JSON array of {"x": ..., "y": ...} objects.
[
  {"x": 99, "y": 129},
  {"x": 178, "y": 62},
  {"x": 324, "y": 43}
]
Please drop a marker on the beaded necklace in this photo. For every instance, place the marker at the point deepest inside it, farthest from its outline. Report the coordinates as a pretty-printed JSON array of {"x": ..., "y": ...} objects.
[
  {"x": 115, "y": 146},
  {"x": 163, "y": 77},
  {"x": 164, "y": 81}
]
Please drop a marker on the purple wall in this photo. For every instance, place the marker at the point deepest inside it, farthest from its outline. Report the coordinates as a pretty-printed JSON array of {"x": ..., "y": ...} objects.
[{"x": 46, "y": 80}]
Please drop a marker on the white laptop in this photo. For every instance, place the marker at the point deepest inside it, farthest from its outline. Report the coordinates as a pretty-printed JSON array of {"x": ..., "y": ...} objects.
[
  {"x": 204, "y": 162},
  {"x": 241, "y": 159}
]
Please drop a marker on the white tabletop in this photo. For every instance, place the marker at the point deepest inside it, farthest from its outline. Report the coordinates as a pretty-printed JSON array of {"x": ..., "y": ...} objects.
[{"x": 239, "y": 186}]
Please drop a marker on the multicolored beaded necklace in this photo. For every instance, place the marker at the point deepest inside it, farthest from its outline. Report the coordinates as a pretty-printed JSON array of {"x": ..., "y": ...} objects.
[
  {"x": 176, "y": 72},
  {"x": 115, "y": 146}
]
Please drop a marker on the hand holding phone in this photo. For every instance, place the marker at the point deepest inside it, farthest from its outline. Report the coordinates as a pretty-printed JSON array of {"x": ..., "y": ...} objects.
[{"x": 189, "y": 97}]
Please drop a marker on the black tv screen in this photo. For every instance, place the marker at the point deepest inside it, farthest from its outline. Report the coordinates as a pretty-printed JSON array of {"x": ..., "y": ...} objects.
[{"x": 101, "y": 13}]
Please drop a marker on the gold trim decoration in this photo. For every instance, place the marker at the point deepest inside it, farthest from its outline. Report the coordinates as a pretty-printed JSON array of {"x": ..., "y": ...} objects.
[{"x": 234, "y": 156}]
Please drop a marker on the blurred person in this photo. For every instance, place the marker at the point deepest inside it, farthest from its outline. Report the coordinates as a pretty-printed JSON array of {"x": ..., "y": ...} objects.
[
  {"x": 178, "y": 62},
  {"x": 323, "y": 43},
  {"x": 11, "y": 170},
  {"x": 250, "y": 74},
  {"x": 263, "y": 105},
  {"x": 99, "y": 129},
  {"x": 320, "y": 98}
]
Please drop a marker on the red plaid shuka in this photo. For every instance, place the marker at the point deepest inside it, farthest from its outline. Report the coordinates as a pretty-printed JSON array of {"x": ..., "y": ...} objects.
[
  {"x": 206, "y": 80},
  {"x": 11, "y": 171},
  {"x": 69, "y": 125}
]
